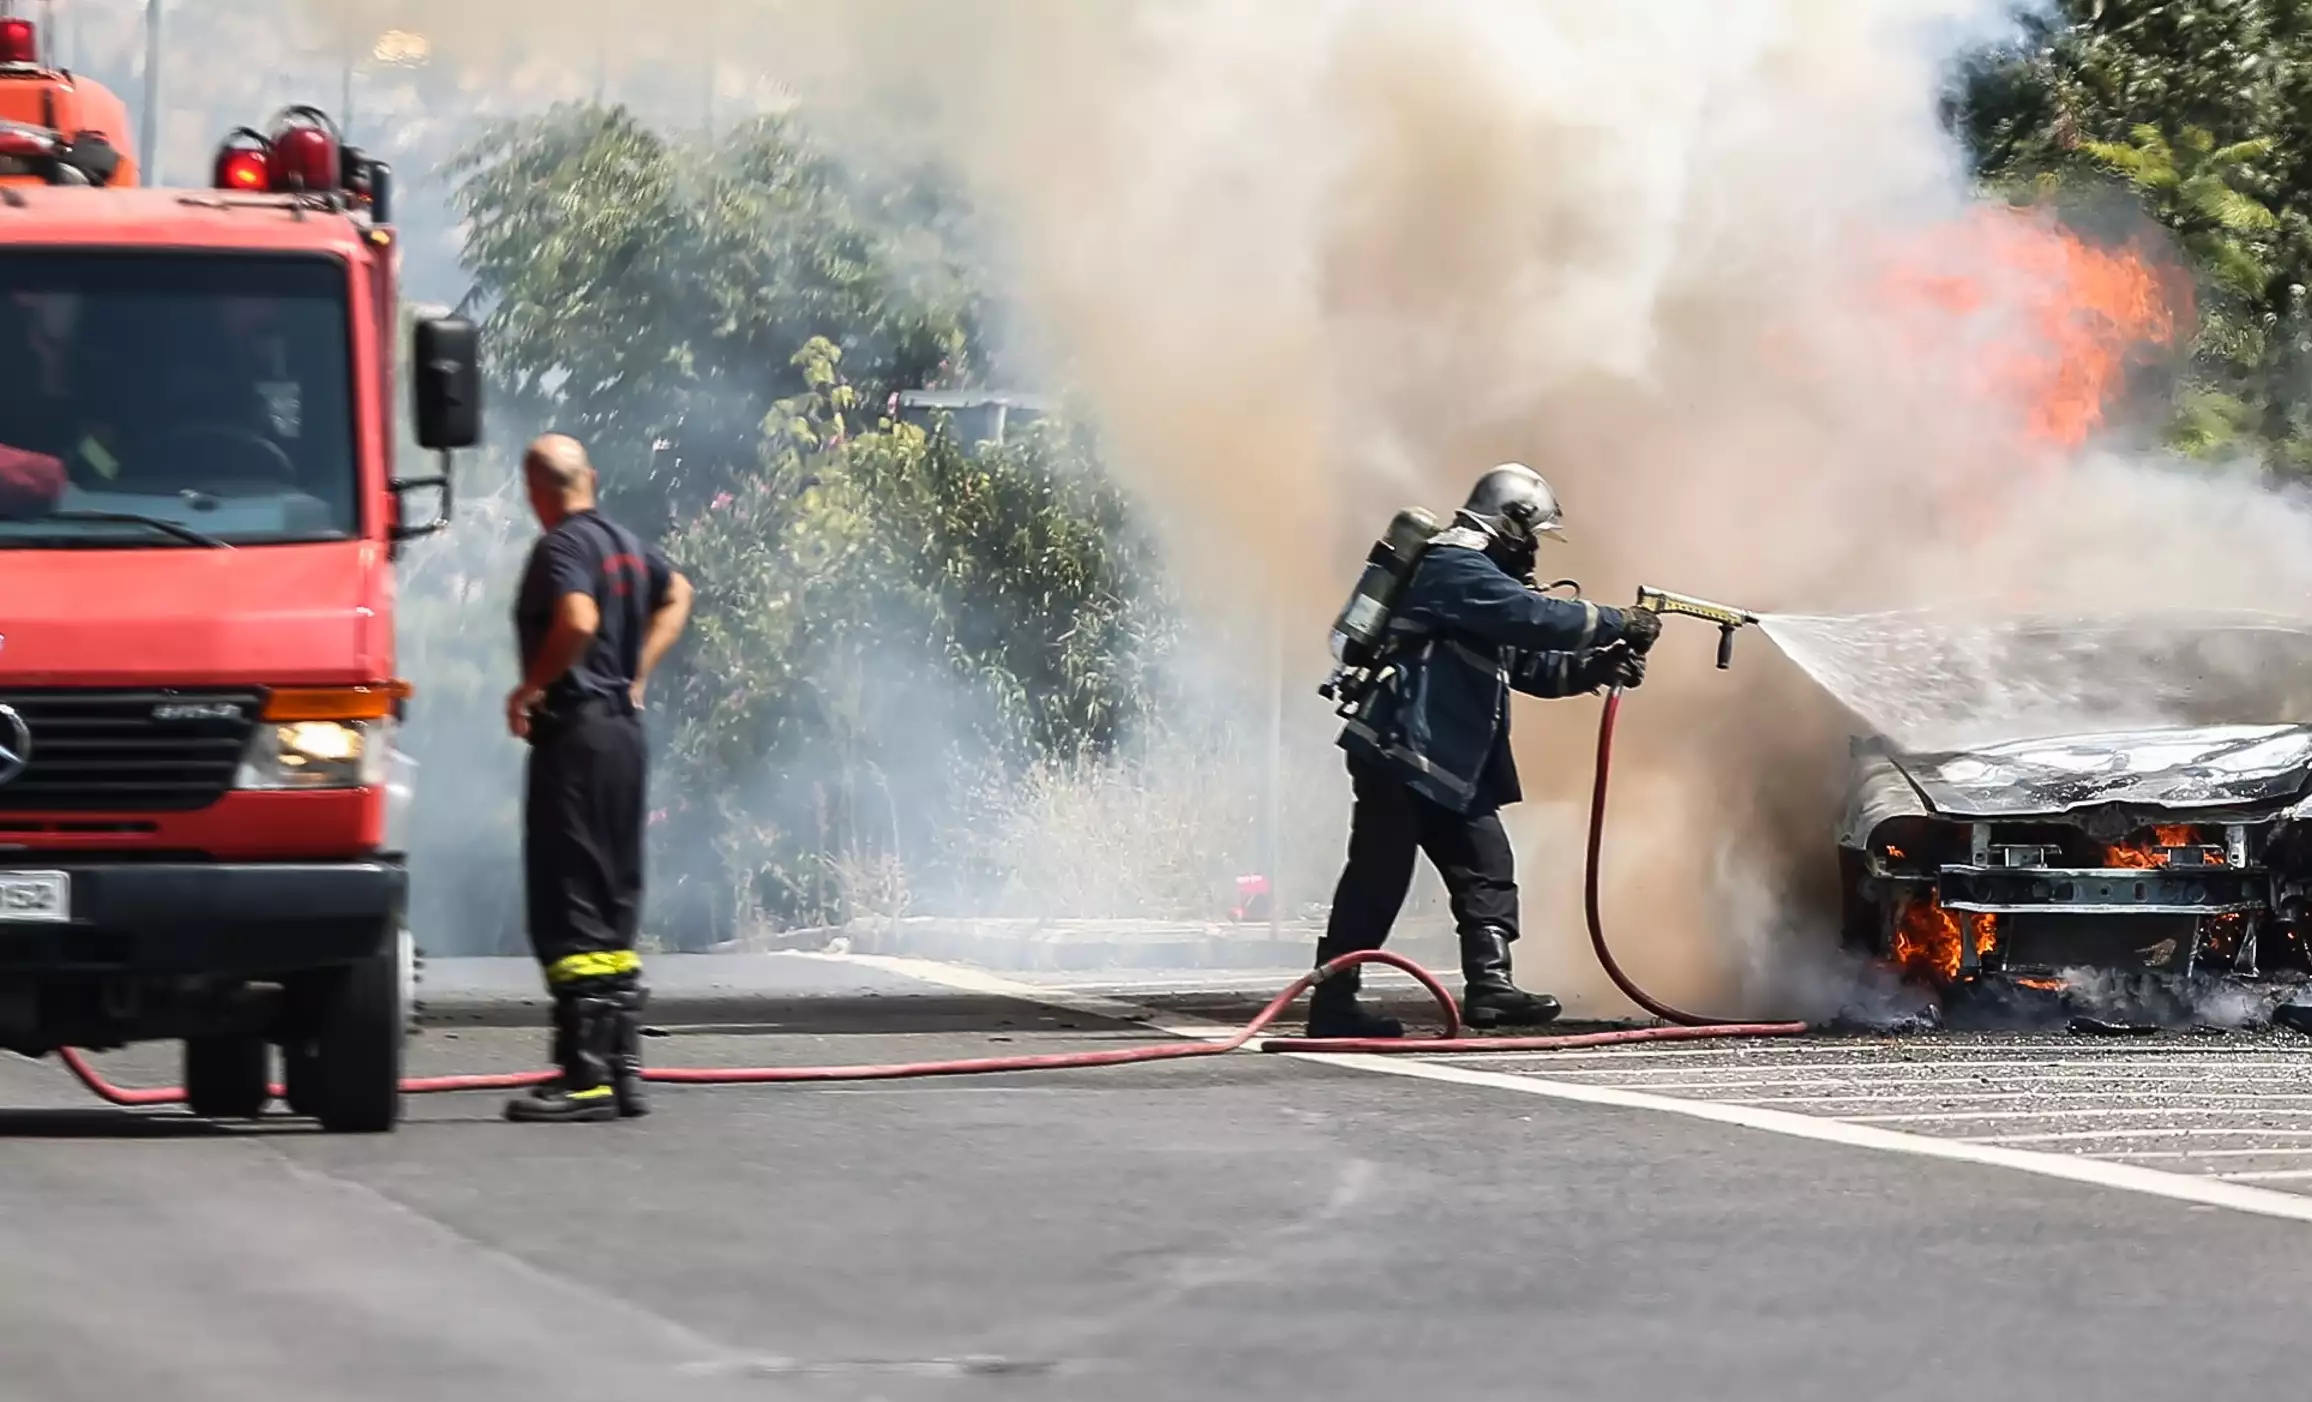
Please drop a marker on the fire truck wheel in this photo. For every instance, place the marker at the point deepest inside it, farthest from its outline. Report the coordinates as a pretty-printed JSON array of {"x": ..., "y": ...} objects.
[
  {"x": 355, "y": 1081},
  {"x": 225, "y": 1077}
]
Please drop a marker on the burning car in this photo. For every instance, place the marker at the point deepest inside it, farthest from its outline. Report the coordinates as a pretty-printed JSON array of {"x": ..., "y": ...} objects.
[
  {"x": 2179, "y": 849},
  {"x": 2171, "y": 850}
]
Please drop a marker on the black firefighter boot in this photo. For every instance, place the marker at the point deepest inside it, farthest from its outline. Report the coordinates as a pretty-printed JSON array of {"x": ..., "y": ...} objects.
[
  {"x": 626, "y": 1048},
  {"x": 1334, "y": 1010},
  {"x": 585, "y": 1031},
  {"x": 1490, "y": 999}
]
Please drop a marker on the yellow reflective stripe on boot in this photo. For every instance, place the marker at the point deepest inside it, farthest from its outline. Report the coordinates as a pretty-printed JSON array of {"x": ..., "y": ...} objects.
[
  {"x": 590, "y": 1093},
  {"x": 603, "y": 964}
]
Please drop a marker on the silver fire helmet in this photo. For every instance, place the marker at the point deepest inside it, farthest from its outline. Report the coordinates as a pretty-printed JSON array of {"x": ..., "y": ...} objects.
[{"x": 1515, "y": 505}]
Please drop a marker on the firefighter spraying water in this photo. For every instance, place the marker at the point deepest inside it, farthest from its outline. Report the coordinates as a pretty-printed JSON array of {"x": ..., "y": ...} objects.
[{"x": 1441, "y": 628}]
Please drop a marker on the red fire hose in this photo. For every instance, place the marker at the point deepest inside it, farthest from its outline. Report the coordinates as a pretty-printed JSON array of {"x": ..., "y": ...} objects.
[
  {"x": 1687, "y": 1026},
  {"x": 761, "y": 1075}
]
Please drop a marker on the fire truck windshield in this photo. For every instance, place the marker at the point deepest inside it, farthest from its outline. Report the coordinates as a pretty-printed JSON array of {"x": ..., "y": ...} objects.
[{"x": 211, "y": 392}]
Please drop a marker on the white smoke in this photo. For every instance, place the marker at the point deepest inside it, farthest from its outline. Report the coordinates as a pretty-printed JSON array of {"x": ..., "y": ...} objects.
[{"x": 1309, "y": 259}]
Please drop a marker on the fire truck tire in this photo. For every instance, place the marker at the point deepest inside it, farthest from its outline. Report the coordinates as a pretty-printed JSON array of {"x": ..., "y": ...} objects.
[
  {"x": 355, "y": 1081},
  {"x": 225, "y": 1077}
]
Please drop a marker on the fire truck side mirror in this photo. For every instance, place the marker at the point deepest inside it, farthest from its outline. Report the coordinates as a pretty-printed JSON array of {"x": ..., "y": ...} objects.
[{"x": 447, "y": 373}]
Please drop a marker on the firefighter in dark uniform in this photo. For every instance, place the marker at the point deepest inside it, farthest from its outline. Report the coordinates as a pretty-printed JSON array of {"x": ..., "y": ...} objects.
[
  {"x": 597, "y": 610},
  {"x": 1429, "y": 751}
]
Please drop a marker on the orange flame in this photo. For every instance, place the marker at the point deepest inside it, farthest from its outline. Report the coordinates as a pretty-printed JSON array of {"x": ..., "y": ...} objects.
[
  {"x": 2054, "y": 319},
  {"x": 1928, "y": 938},
  {"x": 2158, "y": 851}
]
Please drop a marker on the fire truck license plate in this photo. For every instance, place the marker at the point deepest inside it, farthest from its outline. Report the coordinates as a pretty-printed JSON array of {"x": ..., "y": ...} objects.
[{"x": 35, "y": 895}]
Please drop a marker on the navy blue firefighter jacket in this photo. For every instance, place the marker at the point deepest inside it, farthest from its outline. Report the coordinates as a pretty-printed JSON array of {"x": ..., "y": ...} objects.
[{"x": 1463, "y": 635}]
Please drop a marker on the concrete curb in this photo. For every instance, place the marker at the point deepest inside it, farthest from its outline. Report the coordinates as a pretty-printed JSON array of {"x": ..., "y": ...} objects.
[{"x": 1089, "y": 946}]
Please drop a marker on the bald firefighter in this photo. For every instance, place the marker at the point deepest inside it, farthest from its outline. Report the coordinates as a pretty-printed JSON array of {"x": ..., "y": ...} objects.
[
  {"x": 1428, "y": 745},
  {"x": 597, "y": 610}
]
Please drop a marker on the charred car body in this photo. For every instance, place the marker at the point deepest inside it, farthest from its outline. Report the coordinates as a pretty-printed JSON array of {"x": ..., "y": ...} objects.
[
  {"x": 2179, "y": 851},
  {"x": 2166, "y": 849}
]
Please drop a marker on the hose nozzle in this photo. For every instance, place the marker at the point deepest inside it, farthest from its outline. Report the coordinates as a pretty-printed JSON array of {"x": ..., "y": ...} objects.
[{"x": 1726, "y": 616}]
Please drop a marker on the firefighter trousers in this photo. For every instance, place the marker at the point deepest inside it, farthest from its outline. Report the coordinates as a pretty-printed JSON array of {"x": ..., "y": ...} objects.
[
  {"x": 1389, "y": 827},
  {"x": 582, "y": 822}
]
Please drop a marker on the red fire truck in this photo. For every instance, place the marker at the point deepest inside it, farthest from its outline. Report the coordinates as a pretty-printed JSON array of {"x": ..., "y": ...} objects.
[{"x": 199, "y": 517}]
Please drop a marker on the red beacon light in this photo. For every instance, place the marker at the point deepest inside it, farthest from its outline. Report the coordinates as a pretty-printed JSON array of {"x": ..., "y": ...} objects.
[
  {"x": 245, "y": 162},
  {"x": 19, "y": 41},
  {"x": 303, "y": 155},
  {"x": 306, "y": 152}
]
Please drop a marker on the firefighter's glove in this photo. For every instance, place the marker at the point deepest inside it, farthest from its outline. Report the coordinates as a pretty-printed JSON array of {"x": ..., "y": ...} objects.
[
  {"x": 1611, "y": 666},
  {"x": 1639, "y": 629}
]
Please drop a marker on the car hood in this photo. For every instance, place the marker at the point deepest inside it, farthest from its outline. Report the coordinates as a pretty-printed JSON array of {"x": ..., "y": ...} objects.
[
  {"x": 2182, "y": 767},
  {"x": 315, "y": 614}
]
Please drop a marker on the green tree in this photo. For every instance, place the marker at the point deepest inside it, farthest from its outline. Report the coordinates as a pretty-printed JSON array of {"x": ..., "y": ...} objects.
[
  {"x": 2091, "y": 70},
  {"x": 2197, "y": 108},
  {"x": 890, "y": 623},
  {"x": 2189, "y": 186},
  {"x": 888, "y": 618},
  {"x": 645, "y": 294}
]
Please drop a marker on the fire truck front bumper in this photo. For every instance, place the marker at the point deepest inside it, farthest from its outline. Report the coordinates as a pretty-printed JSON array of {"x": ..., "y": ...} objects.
[{"x": 219, "y": 919}]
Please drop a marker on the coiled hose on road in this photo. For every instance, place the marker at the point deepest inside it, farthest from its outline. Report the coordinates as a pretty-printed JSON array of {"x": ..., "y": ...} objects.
[{"x": 1684, "y": 1025}]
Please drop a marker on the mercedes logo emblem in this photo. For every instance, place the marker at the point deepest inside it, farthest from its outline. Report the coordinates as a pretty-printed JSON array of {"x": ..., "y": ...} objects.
[{"x": 15, "y": 745}]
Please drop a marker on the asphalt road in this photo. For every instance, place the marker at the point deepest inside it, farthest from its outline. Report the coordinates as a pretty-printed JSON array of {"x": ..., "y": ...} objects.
[{"x": 1254, "y": 1226}]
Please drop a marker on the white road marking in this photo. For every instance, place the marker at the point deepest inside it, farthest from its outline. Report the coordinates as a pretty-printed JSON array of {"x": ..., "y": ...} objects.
[
  {"x": 2103, "y": 1112},
  {"x": 1872, "y": 1098},
  {"x": 1915, "y": 1053},
  {"x": 1748, "y": 1083},
  {"x": 1186, "y": 1026},
  {"x": 2204, "y": 1190},
  {"x": 948, "y": 1089},
  {"x": 2269, "y": 1152},
  {"x": 2076, "y": 1168},
  {"x": 1971, "y": 1086},
  {"x": 2093, "y": 1066},
  {"x": 2271, "y": 1176},
  {"x": 2082, "y": 1136},
  {"x": 969, "y": 980}
]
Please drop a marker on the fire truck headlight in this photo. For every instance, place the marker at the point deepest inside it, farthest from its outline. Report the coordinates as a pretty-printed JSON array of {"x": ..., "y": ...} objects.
[{"x": 316, "y": 754}]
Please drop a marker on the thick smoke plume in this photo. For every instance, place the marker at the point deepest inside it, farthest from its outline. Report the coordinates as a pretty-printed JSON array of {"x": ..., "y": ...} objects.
[{"x": 1710, "y": 265}]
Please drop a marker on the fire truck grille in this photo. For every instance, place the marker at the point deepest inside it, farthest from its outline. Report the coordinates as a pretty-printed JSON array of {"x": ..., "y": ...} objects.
[{"x": 121, "y": 751}]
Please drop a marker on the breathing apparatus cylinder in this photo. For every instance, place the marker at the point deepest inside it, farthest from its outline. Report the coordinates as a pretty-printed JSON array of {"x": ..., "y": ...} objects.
[
  {"x": 1360, "y": 633},
  {"x": 1364, "y": 621}
]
